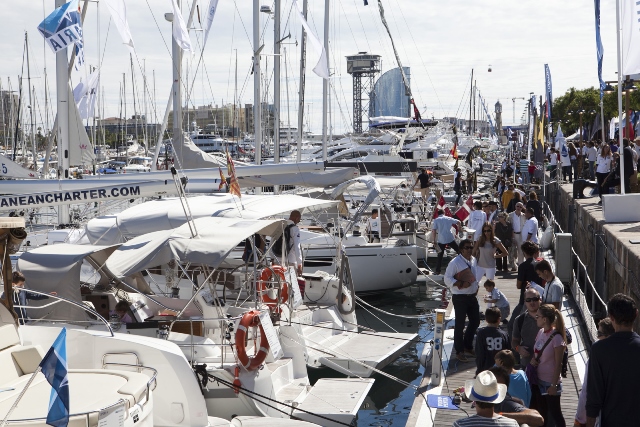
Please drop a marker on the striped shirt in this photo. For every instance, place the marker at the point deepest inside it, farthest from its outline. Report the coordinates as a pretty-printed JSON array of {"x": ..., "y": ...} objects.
[
  {"x": 524, "y": 166},
  {"x": 478, "y": 421}
]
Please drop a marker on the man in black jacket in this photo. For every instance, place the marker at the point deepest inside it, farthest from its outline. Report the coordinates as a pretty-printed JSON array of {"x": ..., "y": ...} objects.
[{"x": 612, "y": 384}]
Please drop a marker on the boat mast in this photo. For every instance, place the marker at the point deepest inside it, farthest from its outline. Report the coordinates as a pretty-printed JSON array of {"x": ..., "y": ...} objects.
[
  {"x": 276, "y": 83},
  {"x": 145, "y": 130},
  {"x": 325, "y": 83},
  {"x": 62, "y": 93},
  {"x": 470, "y": 104},
  {"x": 32, "y": 125},
  {"x": 133, "y": 91},
  {"x": 235, "y": 102},
  {"x": 257, "y": 107},
  {"x": 303, "y": 64},
  {"x": 176, "y": 52}
]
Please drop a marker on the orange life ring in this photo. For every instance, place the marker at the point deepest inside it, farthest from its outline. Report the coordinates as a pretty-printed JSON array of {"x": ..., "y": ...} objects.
[
  {"x": 263, "y": 285},
  {"x": 251, "y": 363}
]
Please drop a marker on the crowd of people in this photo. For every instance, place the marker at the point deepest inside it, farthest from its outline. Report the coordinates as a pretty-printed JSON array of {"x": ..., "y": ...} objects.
[{"x": 525, "y": 347}]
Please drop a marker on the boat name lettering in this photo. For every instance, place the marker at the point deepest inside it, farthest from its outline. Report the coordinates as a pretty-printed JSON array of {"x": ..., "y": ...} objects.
[{"x": 69, "y": 196}]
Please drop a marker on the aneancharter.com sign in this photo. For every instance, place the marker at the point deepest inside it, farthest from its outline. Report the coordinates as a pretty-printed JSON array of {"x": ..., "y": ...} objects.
[{"x": 80, "y": 196}]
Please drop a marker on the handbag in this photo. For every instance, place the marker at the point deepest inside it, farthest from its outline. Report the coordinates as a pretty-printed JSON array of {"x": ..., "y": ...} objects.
[{"x": 532, "y": 371}]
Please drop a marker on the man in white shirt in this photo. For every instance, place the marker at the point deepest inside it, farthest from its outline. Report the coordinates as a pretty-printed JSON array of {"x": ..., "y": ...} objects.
[
  {"x": 517, "y": 219},
  {"x": 442, "y": 235},
  {"x": 530, "y": 228},
  {"x": 373, "y": 227},
  {"x": 554, "y": 289},
  {"x": 477, "y": 218},
  {"x": 460, "y": 277},
  {"x": 291, "y": 240},
  {"x": 553, "y": 162}
]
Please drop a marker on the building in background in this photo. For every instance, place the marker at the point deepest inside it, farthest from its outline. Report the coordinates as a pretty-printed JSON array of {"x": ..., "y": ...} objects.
[{"x": 389, "y": 96}]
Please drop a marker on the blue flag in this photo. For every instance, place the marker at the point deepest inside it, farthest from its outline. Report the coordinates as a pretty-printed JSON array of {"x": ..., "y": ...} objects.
[
  {"x": 599, "y": 48},
  {"x": 547, "y": 84},
  {"x": 63, "y": 27},
  {"x": 54, "y": 368}
]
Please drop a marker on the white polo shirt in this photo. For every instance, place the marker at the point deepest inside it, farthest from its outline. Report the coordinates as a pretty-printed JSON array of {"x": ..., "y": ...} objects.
[{"x": 530, "y": 227}]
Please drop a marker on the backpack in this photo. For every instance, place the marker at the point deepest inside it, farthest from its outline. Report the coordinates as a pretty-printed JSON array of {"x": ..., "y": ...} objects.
[
  {"x": 565, "y": 357},
  {"x": 276, "y": 248}
]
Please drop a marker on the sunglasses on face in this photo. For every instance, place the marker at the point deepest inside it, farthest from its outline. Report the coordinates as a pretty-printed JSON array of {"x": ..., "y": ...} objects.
[
  {"x": 535, "y": 299},
  {"x": 467, "y": 248},
  {"x": 487, "y": 231}
]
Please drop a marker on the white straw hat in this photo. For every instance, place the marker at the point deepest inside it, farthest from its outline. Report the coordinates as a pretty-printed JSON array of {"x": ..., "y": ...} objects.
[{"x": 485, "y": 388}]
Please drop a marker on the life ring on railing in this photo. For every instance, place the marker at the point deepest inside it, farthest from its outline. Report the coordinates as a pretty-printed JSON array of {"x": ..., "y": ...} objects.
[
  {"x": 263, "y": 286},
  {"x": 251, "y": 363}
]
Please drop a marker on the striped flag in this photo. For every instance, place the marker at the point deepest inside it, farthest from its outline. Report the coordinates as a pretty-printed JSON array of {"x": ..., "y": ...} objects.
[
  {"x": 465, "y": 210},
  {"x": 54, "y": 368},
  {"x": 223, "y": 180},
  {"x": 234, "y": 187}
]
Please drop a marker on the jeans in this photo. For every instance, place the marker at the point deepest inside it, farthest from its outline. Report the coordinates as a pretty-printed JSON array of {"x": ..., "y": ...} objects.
[
  {"x": 465, "y": 306},
  {"x": 525, "y": 177},
  {"x": 548, "y": 405},
  {"x": 566, "y": 172},
  {"x": 553, "y": 172},
  {"x": 453, "y": 245},
  {"x": 592, "y": 170},
  {"x": 601, "y": 188},
  {"x": 574, "y": 166}
]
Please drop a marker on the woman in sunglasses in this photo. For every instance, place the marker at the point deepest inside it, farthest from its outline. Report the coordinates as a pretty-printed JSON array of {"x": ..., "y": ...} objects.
[{"x": 486, "y": 250}]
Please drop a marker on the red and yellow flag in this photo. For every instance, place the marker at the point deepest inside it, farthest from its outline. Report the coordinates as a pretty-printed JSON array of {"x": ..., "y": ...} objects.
[
  {"x": 223, "y": 180},
  {"x": 234, "y": 187}
]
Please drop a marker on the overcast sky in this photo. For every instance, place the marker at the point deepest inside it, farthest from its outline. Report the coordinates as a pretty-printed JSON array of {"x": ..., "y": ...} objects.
[{"x": 442, "y": 41}]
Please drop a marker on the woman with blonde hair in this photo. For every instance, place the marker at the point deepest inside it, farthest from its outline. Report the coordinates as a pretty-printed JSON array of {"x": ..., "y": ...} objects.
[
  {"x": 548, "y": 354},
  {"x": 485, "y": 251}
]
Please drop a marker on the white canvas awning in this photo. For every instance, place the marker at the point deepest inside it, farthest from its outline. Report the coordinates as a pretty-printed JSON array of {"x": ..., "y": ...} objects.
[
  {"x": 57, "y": 268},
  {"x": 167, "y": 214},
  {"x": 216, "y": 238}
]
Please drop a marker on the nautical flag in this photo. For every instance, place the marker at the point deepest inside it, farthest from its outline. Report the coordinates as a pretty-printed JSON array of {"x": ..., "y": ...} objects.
[
  {"x": 54, "y": 368},
  {"x": 630, "y": 27},
  {"x": 118, "y": 10},
  {"x": 465, "y": 210},
  {"x": 211, "y": 12},
  {"x": 85, "y": 94},
  {"x": 322, "y": 66},
  {"x": 416, "y": 113},
  {"x": 63, "y": 27},
  {"x": 234, "y": 187},
  {"x": 540, "y": 136},
  {"x": 442, "y": 204},
  {"x": 223, "y": 180},
  {"x": 180, "y": 30},
  {"x": 509, "y": 133},
  {"x": 548, "y": 94}
]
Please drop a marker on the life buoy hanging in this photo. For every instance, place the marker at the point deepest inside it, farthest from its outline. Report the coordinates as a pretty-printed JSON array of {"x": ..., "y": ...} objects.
[
  {"x": 251, "y": 363},
  {"x": 264, "y": 285}
]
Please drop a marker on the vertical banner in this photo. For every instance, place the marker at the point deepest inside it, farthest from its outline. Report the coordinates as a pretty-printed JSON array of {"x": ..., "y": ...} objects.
[
  {"x": 547, "y": 91},
  {"x": 599, "y": 48},
  {"x": 630, "y": 27}
]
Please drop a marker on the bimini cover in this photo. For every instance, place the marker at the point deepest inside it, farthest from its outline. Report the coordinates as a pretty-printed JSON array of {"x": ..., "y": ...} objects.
[
  {"x": 167, "y": 214},
  {"x": 215, "y": 239},
  {"x": 369, "y": 181},
  {"x": 57, "y": 268}
]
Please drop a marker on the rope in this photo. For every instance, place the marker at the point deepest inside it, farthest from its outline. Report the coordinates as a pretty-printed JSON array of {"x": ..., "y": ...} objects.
[
  {"x": 375, "y": 334},
  {"x": 419, "y": 316}
]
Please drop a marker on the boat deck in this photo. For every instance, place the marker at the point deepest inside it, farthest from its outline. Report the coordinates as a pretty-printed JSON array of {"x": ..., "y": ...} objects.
[{"x": 457, "y": 372}]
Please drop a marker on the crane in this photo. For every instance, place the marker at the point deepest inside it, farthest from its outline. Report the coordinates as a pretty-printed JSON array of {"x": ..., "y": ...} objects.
[{"x": 514, "y": 108}]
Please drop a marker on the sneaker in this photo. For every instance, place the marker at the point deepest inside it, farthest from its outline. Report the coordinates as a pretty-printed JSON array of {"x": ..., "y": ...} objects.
[{"x": 461, "y": 357}]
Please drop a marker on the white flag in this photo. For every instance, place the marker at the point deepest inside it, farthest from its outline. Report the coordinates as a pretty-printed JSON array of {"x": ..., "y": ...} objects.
[
  {"x": 211, "y": 12},
  {"x": 180, "y": 31},
  {"x": 321, "y": 68},
  {"x": 85, "y": 94},
  {"x": 630, "y": 26},
  {"x": 118, "y": 10}
]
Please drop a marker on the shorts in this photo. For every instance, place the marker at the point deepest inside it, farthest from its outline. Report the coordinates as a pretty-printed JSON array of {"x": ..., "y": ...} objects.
[{"x": 489, "y": 272}]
